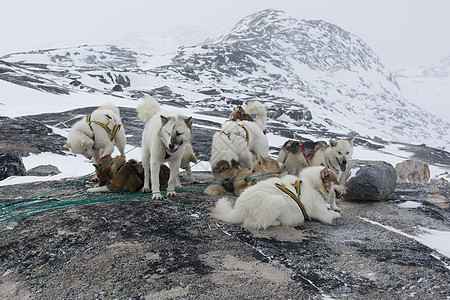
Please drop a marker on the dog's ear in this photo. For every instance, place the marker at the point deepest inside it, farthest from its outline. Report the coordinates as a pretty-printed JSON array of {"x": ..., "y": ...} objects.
[
  {"x": 333, "y": 143},
  {"x": 235, "y": 164},
  {"x": 67, "y": 145},
  {"x": 351, "y": 140},
  {"x": 324, "y": 173},
  {"x": 241, "y": 110},
  {"x": 164, "y": 120},
  {"x": 189, "y": 122}
]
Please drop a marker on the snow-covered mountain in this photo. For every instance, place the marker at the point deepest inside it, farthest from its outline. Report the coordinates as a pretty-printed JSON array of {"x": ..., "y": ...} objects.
[
  {"x": 428, "y": 87},
  {"x": 309, "y": 74}
]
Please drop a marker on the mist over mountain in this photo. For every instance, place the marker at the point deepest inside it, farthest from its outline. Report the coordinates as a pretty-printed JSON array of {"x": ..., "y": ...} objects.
[{"x": 311, "y": 75}]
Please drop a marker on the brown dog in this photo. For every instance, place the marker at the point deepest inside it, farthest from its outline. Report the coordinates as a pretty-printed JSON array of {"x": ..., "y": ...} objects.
[
  {"x": 235, "y": 180},
  {"x": 117, "y": 174},
  {"x": 239, "y": 115}
]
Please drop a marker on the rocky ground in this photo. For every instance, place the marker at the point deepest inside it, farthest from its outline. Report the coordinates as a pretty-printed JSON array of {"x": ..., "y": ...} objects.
[{"x": 126, "y": 246}]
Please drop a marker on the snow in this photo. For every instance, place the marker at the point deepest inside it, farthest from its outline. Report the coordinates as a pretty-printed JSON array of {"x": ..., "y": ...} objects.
[
  {"x": 434, "y": 239},
  {"x": 410, "y": 204}
]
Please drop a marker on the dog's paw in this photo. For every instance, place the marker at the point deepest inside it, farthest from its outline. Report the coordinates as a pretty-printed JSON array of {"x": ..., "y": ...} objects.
[
  {"x": 157, "y": 197},
  {"x": 179, "y": 187},
  {"x": 336, "y": 209},
  {"x": 195, "y": 181},
  {"x": 214, "y": 190},
  {"x": 275, "y": 223},
  {"x": 95, "y": 179},
  {"x": 145, "y": 190},
  {"x": 171, "y": 194}
]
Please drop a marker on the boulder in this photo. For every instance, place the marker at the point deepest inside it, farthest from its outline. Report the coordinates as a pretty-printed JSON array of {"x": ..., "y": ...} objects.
[
  {"x": 43, "y": 170},
  {"x": 369, "y": 180},
  {"x": 11, "y": 165},
  {"x": 412, "y": 170}
]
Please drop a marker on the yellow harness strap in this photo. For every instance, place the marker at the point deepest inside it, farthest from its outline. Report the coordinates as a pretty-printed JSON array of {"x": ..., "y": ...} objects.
[
  {"x": 246, "y": 137},
  {"x": 294, "y": 197},
  {"x": 112, "y": 133}
]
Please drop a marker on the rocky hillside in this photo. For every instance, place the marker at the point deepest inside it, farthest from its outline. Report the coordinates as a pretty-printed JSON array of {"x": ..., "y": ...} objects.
[
  {"x": 66, "y": 244},
  {"x": 308, "y": 73}
]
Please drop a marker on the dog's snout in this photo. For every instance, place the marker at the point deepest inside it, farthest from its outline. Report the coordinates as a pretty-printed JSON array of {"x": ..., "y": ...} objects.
[
  {"x": 344, "y": 162},
  {"x": 171, "y": 146}
]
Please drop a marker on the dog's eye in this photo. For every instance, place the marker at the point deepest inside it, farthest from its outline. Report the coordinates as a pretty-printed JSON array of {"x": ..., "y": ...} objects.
[
  {"x": 348, "y": 152},
  {"x": 177, "y": 133},
  {"x": 253, "y": 171},
  {"x": 339, "y": 152}
]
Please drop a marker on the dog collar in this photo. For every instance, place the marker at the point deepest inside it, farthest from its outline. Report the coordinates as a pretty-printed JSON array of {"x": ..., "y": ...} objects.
[
  {"x": 295, "y": 197},
  {"x": 329, "y": 163},
  {"x": 167, "y": 155}
]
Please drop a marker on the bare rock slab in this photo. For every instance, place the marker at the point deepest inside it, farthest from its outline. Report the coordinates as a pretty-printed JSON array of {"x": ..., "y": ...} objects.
[{"x": 369, "y": 180}]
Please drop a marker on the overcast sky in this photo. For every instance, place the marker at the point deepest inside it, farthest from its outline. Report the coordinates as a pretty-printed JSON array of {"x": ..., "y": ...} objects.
[{"x": 404, "y": 33}]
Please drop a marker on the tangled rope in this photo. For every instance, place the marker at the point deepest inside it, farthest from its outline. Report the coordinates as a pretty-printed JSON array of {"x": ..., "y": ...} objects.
[{"x": 24, "y": 208}]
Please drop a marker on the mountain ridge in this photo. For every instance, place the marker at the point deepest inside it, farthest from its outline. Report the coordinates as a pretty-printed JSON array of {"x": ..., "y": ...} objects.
[{"x": 311, "y": 74}]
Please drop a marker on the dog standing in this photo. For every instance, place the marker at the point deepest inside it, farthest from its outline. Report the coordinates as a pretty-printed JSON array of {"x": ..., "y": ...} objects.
[
  {"x": 164, "y": 138},
  {"x": 297, "y": 155},
  {"x": 96, "y": 134},
  {"x": 241, "y": 141},
  {"x": 286, "y": 201}
]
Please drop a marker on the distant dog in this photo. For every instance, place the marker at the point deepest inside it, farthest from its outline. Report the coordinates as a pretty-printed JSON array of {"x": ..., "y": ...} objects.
[
  {"x": 96, "y": 134},
  {"x": 297, "y": 155},
  {"x": 122, "y": 175},
  {"x": 165, "y": 138},
  {"x": 241, "y": 141},
  {"x": 188, "y": 157},
  {"x": 239, "y": 114},
  {"x": 286, "y": 201},
  {"x": 234, "y": 180}
]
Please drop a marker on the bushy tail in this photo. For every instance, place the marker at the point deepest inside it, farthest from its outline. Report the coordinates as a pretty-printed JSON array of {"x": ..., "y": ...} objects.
[
  {"x": 259, "y": 110},
  {"x": 148, "y": 108},
  {"x": 111, "y": 107},
  {"x": 225, "y": 212}
]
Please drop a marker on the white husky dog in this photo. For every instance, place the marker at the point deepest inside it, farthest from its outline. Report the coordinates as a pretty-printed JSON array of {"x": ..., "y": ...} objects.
[
  {"x": 165, "y": 138},
  {"x": 241, "y": 141},
  {"x": 95, "y": 135},
  {"x": 299, "y": 155},
  {"x": 286, "y": 201}
]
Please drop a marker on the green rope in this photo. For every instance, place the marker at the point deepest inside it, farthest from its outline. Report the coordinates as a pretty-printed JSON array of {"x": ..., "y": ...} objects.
[{"x": 28, "y": 207}]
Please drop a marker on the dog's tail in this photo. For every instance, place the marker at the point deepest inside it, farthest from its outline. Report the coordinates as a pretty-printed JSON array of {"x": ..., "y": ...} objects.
[
  {"x": 111, "y": 107},
  {"x": 225, "y": 212},
  {"x": 148, "y": 108},
  {"x": 259, "y": 110}
]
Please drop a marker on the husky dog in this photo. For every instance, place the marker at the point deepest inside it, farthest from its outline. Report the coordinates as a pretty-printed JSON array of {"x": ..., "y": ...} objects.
[
  {"x": 122, "y": 175},
  {"x": 286, "y": 201},
  {"x": 235, "y": 180},
  {"x": 241, "y": 141},
  {"x": 239, "y": 114},
  {"x": 95, "y": 135},
  {"x": 165, "y": 138},
  {"x": 188, "y": 157},
  {"x": 297, "y": 155}
]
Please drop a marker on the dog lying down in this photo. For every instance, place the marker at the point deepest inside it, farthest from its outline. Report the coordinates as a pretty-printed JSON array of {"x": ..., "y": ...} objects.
[
  {"x": 235, "y": 180},
  {"x": 286, "y": 201},
  {"x": 117, "y": 174}
]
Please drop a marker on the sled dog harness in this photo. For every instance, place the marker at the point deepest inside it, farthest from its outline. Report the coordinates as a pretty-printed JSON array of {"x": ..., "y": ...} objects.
[
  {"x": 246, "y": 137},
  {"x": 294, "y": 197},
  {"x": 303, "y": 151},
  {"x": 112, "y": 133}
]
